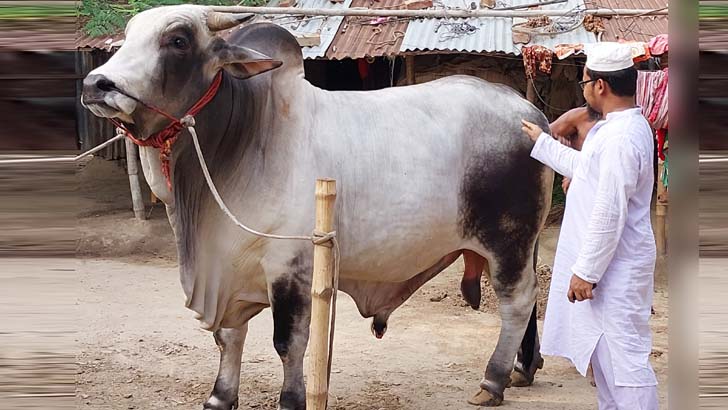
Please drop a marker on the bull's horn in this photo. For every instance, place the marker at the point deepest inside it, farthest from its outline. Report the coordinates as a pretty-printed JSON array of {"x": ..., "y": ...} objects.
[{"x": 222, "y": 21}]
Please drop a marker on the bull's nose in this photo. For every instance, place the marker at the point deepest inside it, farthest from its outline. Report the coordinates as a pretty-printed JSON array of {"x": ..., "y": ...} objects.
[{"x": 95, "y": 86}]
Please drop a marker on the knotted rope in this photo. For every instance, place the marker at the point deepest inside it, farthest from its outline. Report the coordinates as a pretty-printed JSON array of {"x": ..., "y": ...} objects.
[{"x": 164, "y": 139}]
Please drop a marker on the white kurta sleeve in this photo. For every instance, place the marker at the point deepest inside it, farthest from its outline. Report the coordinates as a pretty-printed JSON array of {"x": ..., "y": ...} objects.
[
  {"x": 618, "y": 175},
  {"x": 555, "y": 155}
]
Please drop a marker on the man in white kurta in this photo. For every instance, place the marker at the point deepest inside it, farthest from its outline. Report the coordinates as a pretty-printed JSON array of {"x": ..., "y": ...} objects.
[{"x": 601, "y": 290}]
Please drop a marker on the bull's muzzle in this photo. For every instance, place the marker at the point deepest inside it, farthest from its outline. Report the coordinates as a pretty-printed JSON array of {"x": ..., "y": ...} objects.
[
  {"x": 95, "y": 88},
  {"x": 101, "y": 97}
]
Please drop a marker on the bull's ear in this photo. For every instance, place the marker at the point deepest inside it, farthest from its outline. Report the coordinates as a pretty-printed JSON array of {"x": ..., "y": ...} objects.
[{"x": 243, "y": 62}]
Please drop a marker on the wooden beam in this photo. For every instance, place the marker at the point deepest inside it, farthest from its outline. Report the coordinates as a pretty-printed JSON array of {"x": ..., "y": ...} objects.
[
  {"x": 133, "y": 171},
  {"x": 441, "y": 13},
  {"x": 308, "y": 40},
  {"x": 409, "y": 64}
]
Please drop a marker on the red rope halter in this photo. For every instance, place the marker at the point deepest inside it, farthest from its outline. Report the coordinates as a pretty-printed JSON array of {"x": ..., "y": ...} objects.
[{"x": 165, "y": 138}]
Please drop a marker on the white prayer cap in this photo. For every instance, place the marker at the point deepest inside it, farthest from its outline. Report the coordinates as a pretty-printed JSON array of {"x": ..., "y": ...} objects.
[{"x": 608, "y": 56}]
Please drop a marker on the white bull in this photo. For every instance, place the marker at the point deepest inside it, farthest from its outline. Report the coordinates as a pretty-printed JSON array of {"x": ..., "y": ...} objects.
[{"x": 425, "y": 173}]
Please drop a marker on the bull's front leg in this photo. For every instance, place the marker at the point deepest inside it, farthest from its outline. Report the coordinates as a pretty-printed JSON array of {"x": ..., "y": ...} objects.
[
  {"x": 230, "y": 341},
  {"x": 224, "y": 395},
  {"x": 291, "y": 304}
]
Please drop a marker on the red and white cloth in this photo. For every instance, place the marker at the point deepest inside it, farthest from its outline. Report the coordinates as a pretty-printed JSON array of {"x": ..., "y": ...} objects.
[
  {"x": 652, "y": 88},
  {"x": 658, "y": 44}
]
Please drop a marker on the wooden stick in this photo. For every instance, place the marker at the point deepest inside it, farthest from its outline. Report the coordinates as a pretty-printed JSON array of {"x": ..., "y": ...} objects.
[
  {"x": 661, "y": 214},
  {"x": 537, "y": 4},
  {"x": 531, "y": 91},
  {"x": 317, "y": 389},
  {"x": 442, "y": 13},
  {"x": 133, "y": 171}
]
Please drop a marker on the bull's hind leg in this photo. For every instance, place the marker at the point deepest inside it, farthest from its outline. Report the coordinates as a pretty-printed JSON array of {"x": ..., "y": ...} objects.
[
  {"x": 529, "y": 358},
  {"x": 515, "y": 285},
  {"x": 291, "y": 304}
]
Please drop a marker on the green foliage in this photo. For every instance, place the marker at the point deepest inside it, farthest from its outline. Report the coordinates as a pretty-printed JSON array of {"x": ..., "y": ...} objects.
[
  {"x": 557, "y": 194},
  {"x": 103, "y": 17},
  {"x": 712, "y": 12},
  {"x": 21, "y": 12}
]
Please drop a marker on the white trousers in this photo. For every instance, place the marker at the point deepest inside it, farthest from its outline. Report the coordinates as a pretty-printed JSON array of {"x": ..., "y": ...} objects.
[{"x": 612, "y": 397}]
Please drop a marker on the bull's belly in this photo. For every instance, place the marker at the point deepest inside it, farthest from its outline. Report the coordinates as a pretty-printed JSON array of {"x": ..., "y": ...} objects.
[{"x": 396, "y": 261}]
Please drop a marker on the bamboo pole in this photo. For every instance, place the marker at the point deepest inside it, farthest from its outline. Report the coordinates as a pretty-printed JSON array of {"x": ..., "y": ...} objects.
[
  {"x": 133, "y": 171},
  {"x": 661, "y": 214},
  {"x": 317, "y": 389},
  {"x": 442, "y": 13}
]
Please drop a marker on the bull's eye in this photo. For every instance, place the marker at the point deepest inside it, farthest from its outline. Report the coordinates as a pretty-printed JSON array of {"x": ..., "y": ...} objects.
[{"x": 180, "y": 43}]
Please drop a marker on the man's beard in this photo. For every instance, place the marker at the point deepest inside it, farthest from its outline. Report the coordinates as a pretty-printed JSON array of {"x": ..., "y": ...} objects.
[{"x": 594, "y": 115}]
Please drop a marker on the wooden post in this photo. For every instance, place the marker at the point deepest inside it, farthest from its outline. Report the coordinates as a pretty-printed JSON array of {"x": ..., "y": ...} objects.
[
  {"x": 317, "y": 389},
  {"x": 133, "y": 171},
  {"x": 661, "y": 213},
  {"x": 531, "y": 91},
  {"x": 409, "y": 64}
]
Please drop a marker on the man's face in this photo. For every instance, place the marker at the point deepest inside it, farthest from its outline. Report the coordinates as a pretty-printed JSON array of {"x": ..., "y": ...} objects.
[{"x": 592, "y": 93}]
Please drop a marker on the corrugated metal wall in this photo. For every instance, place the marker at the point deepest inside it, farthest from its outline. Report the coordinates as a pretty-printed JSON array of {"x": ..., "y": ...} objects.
[{"x": 93, "y": 130}]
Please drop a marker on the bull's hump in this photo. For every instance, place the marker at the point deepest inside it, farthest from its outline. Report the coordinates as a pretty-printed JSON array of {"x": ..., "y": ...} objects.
[{"x": 271, "y": 40}]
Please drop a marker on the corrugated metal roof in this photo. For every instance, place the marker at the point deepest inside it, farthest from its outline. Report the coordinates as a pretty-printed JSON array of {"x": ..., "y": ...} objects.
[
  {"x": 634, "y": 28},
  {"x": 102, "y": 43},
  {"x": 492, "y": 34},
  {"x": 326, "y": 27},
  {"x": 357, "y": 40}
]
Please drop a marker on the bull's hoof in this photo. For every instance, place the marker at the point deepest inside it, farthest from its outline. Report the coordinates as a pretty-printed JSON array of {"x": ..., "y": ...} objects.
[
  {"x": 292, "y": 401},
  {"x": 485, "y": 398},
  {"x": 213, "y": 403},
  {"x": 519, "y": 379}
]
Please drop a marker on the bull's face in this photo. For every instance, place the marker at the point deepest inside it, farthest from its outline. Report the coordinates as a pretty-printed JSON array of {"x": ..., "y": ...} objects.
[{"x": 168, "y": 59}]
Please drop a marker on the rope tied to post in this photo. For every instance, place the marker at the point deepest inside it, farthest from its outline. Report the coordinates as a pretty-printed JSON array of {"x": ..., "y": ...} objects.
[{"x": 323, "y": 238}]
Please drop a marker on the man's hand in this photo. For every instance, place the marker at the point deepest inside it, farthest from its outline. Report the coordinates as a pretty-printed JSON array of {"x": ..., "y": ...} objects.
[
  {"x": 565, "y": 184},
  {"x": 563, "y": 140},
  {"x": 532, "y": 130},
  {"x": 579, "y": 289}
]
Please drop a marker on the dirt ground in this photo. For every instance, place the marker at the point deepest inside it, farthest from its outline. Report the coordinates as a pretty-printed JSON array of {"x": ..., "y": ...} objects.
[{"x": 141, "y": 349}]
